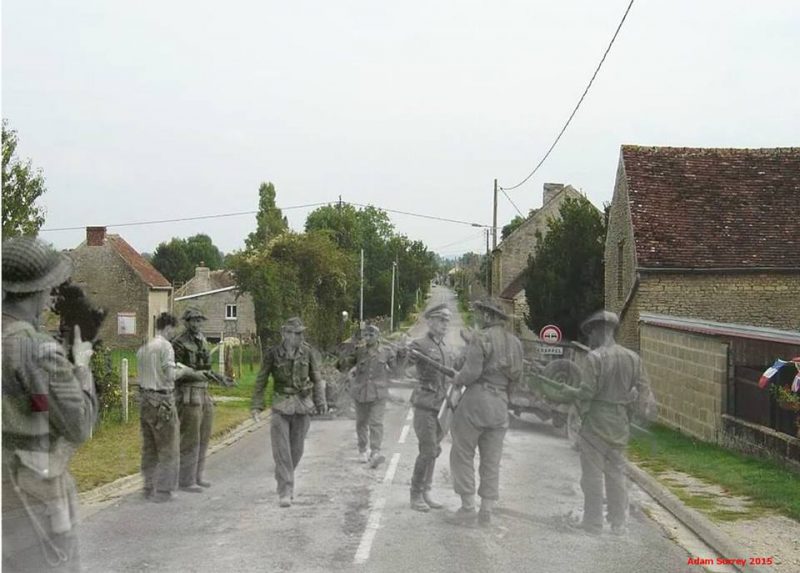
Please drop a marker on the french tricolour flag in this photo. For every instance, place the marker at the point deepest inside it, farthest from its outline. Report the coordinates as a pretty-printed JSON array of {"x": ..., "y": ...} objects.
[{"x": 770, "y": 372}]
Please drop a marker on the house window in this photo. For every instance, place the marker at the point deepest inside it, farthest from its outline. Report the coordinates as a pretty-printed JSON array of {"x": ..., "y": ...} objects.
[
  {"x": 620, "y": 248},
  {"x": 230, "y": 312},
  {"x": 126, "y": 323}
]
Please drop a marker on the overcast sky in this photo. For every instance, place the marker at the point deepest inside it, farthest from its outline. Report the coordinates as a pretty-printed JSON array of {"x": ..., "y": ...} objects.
[{"x": 138, "y": 111}]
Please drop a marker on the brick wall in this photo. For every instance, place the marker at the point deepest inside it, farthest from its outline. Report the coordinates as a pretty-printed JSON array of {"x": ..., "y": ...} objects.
[
  {"x": 689, "y": 377},
  {"x": 113, "y": 285}
]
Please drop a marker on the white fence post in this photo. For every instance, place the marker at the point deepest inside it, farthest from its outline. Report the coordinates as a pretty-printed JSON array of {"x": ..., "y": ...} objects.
[
  {"x": 124, "y": 384},
  {"x": 222, "y": 352}
]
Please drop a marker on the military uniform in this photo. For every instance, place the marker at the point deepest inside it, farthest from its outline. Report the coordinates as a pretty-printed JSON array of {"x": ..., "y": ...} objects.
[
  {"x": 49, "y": 407},
  {"x": 158, "y": 416},
  {"x": 297, "y": 389},
  {"x": 493, "y": 362},
  {"x": 369, "y": 390},
  {"x": 427, "y": 398},
  {"x": 604, "y": 400},
  {"x": 195, "y": 408}
]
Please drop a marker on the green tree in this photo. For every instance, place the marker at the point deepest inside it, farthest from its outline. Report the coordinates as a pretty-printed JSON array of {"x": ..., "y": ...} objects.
[
  {"x": 177, "y": 259},
  {"x": 270, "y": 222},
  {"x": 515, "y": 223},
  {"x": 564, "y": 277},
  {"x": 22, "y": 186}
]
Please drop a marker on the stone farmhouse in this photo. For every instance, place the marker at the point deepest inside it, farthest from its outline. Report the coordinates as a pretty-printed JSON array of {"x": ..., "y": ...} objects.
[
  {"x": 706, "y": 234},
  {"x": 229, "y": 312},
  {"x": 119, "y": 279},
  {"x": 702, "y": 266},
  {"x": 510, "y": 257}
]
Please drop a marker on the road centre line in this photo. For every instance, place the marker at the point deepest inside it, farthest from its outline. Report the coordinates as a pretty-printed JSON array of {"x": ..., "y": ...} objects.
[
  {"x": 373, "y": 522},
  {"x": 404, "y": 434},
  {"x": 390, "y": 471}
]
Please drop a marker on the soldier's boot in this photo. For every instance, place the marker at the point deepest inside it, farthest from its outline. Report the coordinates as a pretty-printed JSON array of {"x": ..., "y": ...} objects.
[
  {"x": 203, "y": 483},
  {"x": 363, "y": 457},
  {"x": 417, "y": 503},
  {"x": 376, "y": 459},
  {"x": 285, "y": 496},
  {"x": 466, "y": 514},
  {"x": 147, "y": 492},
  {"x": 485, "y": 514},
  {"x": 162, "y": 496},
  {"x": 426, "y": 497}
]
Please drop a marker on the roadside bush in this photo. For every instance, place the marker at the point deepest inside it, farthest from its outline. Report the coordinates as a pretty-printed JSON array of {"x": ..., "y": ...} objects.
[{"x": 107, "y": 382}]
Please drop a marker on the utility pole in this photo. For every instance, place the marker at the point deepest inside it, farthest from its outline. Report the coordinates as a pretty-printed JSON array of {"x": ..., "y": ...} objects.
[
  {"x": 494, "y": 218},
  {"x": 361, "y": 304},
  {"x": 488, "y": 266},
  {"x": 391, "y": 313}
]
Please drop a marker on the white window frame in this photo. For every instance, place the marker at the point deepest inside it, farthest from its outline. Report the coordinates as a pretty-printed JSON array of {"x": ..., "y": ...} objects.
[{"x": 231, "y": 315}]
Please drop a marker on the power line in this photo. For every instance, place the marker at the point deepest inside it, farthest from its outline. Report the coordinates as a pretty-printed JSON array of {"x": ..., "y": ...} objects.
[
  {"x": 201, "y": 217},
  {"x": 512, "y": 202},
  {"x": 580, "y": 101},
  {"x": 239, "y": 213},
  {"x": 459, "y": 241}
]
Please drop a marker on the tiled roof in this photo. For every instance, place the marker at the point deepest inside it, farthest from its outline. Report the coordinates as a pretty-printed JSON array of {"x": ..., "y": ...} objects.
[
  {"x": 216, "y": 280},
  {"x": 137, "y": 262},
  {"x": 714, "y": 208}
]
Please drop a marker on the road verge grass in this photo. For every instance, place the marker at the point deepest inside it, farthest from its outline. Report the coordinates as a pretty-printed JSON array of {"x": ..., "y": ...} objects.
[
  {"x": 769, "y": 485},
  {"x": 115, "y": 448}
]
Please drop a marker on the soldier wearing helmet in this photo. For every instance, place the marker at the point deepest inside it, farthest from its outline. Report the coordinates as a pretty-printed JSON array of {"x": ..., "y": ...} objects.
[
  {"x": 195, "y": 406},
  {"x": 49, "y": 407}
]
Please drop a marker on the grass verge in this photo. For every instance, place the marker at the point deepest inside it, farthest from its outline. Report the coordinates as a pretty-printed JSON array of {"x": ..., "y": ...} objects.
[
  {"x": 766, "y": 483},
  {"x": 115, "y": 448}
]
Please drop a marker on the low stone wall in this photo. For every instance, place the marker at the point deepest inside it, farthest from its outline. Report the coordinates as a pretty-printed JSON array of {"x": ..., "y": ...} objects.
[{"x": 761, "y": 441}]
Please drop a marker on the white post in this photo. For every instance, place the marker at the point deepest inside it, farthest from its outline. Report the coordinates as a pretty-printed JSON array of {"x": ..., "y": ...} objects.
[
  {"x": 222, "y": 352},
  {"x": 391, "y": 313},
  {"x": 124, "y": 389},
  {"x": 361, "y": 307}
]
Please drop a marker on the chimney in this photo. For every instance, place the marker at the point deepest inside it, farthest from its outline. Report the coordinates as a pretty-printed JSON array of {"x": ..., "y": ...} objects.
[
  {"x": 202, "y": 278},
  {"x": 550, "y": 191},
  {"x": 95, "y": 236}
]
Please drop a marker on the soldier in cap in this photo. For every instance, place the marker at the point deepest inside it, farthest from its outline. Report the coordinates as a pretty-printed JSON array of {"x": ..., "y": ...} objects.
[
  {"x": 371, "y": 363},
  {"x": 298, "y": 389},
  {"x": 492, "y": 363},
  {"x": 195, "y": 405},
  {"x": 49, "y": 407},
  {"x": 427, "y": 398},
  {"x": 605, "y": 398},
  {"x": 158, "y": 413}
]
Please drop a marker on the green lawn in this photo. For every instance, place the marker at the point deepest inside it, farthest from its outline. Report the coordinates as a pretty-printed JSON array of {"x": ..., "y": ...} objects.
[
  {"x": 115, "y": 449},
  {"x": 769, "y": 485}
]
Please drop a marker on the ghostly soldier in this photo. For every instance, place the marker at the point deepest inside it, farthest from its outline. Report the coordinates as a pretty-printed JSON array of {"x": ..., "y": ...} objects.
[
  {"x": 427, "y": 398},
  {"x": 605, "y": 398},
  {"x": 298, "y": 389},
  {"x": 493, "y": 362},
  {"x": 158, "y": 414},
  {"x": 195, "y": 405},
  {"x": 49, "y": 406},
  {"x": 369, "y": 388}
]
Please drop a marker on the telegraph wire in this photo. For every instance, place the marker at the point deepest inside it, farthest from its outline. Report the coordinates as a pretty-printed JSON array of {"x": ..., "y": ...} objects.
[
  {"x": 240, "y": 213},
  {"x": 580, "y": 101},
  {"x": 458, "y": 242},
  {"x": 512, "y": 202}
]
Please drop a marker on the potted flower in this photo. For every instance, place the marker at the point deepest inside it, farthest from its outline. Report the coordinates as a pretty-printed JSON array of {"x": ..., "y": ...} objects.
[{"x": 786, "y": 399}]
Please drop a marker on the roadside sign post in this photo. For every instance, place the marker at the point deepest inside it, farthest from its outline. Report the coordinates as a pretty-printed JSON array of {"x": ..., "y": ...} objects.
[{"x": 550, "y": 334}]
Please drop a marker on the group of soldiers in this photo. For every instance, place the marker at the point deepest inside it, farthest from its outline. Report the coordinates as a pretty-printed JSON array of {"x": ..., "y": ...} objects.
[{"x": 49, "y": 407}]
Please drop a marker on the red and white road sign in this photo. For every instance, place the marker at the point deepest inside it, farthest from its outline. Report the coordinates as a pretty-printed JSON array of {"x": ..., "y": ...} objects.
[{"x": 550, "y": 334}]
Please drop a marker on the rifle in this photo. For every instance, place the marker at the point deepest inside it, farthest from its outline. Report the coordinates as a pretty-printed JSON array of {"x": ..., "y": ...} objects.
[
  {"x": 220, "y": 379},
  {"x": 452, "y": 394}
]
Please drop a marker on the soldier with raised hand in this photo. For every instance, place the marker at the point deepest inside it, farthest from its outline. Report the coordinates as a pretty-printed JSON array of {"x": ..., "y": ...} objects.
[
  {"x": 195, "y": 405},
  {"x": 369, "y": 388},
  {"x": 158, "y": 418},
  {"x": 492, "y": 363},
  {"x": 49, "y": 407},
  {"x": 427, "y": 398},
  {"x": 298, "y": 389}
]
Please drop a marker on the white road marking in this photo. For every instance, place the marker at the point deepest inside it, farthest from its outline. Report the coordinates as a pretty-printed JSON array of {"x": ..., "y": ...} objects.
[
  {"x": 390, "y": 471},
  {"x": 404, "y": 434},
  {"x": 410, "y": 415},
  {"x": 373, "y": 522}
]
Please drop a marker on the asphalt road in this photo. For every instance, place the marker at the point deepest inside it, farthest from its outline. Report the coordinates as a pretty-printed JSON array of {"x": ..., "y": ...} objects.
[{"x": 347, "y": 517}]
